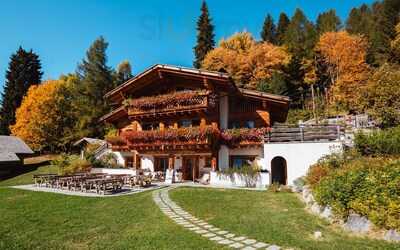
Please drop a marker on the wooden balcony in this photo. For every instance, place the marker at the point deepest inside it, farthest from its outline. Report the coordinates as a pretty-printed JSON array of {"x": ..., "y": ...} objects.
[
  {"x": 183, "y": 102},
  {"x": 194, "y": 139},
  {"x": 243, "y": 137}
]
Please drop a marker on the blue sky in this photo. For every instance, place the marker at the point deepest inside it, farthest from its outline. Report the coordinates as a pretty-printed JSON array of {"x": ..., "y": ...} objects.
[{"x": 144, "y": 32}]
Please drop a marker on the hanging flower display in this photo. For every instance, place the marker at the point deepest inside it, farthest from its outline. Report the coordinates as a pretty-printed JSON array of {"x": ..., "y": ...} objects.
[{"x": 239, "y": 136}]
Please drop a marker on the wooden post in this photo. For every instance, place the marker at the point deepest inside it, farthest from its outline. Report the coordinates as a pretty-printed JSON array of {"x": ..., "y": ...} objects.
[
  {"x": 175, "y": 125},
  {"x": 203, "y": 122},
  {"x": 162, "y": 126},
  {"x": 171, "y": 162},
  {"x": 214, "y": 163}
]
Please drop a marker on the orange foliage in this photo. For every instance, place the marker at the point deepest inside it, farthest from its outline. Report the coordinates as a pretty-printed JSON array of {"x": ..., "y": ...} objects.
[
  {"x": 247, "y": 61},
  {"x": 37, "y": 117},
  {"x": 345, "y": 56}
]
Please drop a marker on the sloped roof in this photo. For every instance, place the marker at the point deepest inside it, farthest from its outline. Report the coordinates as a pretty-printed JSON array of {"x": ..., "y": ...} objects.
[
  {"x": 10, "y": 146},
  {"x": 8, "y": 157},
  {"x": 89, "y": 141},
  {"x": 13, "y": 144}
]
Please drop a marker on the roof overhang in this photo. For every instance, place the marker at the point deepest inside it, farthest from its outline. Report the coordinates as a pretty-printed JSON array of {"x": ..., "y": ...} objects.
[{"x": 158, "y": 71}]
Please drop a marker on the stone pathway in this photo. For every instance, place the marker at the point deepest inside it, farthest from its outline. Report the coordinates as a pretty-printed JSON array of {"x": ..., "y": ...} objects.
[{"x": 188, "y": 221}]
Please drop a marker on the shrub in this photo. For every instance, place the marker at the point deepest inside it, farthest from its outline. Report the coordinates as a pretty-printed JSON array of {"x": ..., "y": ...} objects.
[
  {"x": 70, "y": 164},
  {"x": 381, "y": 142},
  {"x": 367, "y": 186}
]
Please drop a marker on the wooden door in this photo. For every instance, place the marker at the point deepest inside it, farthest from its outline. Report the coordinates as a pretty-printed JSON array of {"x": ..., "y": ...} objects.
[{"x": 190, "y": 168}]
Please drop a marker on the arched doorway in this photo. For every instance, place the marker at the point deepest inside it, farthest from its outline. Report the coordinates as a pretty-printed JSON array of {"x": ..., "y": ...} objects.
[{"x": 278, "y": 170}]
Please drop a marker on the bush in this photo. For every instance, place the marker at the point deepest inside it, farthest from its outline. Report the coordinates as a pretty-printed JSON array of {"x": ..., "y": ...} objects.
[
  {"x": 367, "y": 186},
  {"x": 70, "y": 164},
  {"x": 327, "y": 164},
  {"x": 381, "y": 142}
]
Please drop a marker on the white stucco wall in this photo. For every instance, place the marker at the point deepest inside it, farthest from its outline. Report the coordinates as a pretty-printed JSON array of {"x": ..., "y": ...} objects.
[
  {"x": 112, "y": 171},
  {"x": 223, "y": 111},
  {"x": 178, "y": 162},
  {"x": 299, "y": 156},
  {"x": 222, "y": 180},
  {"x": 223, "y": 157},
  {"x": 147, "y": 162}
]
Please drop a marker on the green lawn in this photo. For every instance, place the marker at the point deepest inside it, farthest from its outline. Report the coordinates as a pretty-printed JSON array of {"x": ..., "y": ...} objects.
[
  {"x": 38, "y": 220},
  {"x": 278, "y": 218}
]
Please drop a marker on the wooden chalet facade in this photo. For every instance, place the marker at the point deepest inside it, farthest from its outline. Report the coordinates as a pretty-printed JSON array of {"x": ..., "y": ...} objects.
[{"x": 190, "y": 120}]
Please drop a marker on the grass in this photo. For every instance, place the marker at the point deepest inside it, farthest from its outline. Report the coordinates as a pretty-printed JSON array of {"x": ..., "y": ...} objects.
[
  {"x": 278, "y": 218},
  {"x": 27, "y": 177},
  {"x": 38, "y": 220}
]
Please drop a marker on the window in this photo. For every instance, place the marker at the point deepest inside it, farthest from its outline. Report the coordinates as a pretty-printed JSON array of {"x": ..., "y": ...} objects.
[
  {"x": 238, "y": 161},
  {"x": 249, "y": 124},
  {"x": 150, "y": 126},
  {"x": 185, "y": 123},
  {"x": 234, "y": 124},
  {"x": 160, "y": 164}
]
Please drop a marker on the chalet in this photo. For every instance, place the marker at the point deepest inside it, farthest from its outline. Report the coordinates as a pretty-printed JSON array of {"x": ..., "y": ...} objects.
[
  {"x": 190, "y": 120},
  {"x": 13, "y": 150}
]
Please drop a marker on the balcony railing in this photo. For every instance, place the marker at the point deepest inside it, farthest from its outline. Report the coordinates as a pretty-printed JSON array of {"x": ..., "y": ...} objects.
[
  {"x": 172, "y": 102},
  {"x": 208, "y": 136},
  {"x": 243, "y": 136}
]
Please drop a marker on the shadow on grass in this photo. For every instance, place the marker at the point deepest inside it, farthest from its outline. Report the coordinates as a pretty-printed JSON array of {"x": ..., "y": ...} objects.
[{"x": 12, "y": 171}]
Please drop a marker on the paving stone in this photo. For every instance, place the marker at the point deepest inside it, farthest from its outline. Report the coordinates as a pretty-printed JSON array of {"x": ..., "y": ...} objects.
[
  {"x": 249, "y": 241},
  {"x": 273, "y": 247},
  {"x": 194, "y": 228},
  {"x": 216, "y": 238},
  {"x": 189, "y": 225},
  {"x": 236, "y": 245},
  {"x": 229, "y": 235},
  {"x": 207, "y": 226},
  {"x": 213, "y": 229},
  {"x": 225, "y": 242},
  {"x": 202, "y": 231},
  {"x": 260, "y": 245},
  {"x": 248, "y": 248},
  {"x": 202, "y": 224},
  {"x": 239, "y": 238},
  {"x": 222, "y": 232},
  {"x": 209, "y": 235}
]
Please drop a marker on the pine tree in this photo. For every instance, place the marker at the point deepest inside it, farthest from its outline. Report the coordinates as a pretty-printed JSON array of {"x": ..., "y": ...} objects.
[
  {"x": 123, "y": 72},
  {"x": 359, "y": 20},
  {"x": 205, "y": 36},
  {"x": 300, "y": 36},
  {"x": 283, "y": 23},
  {"x": 268, "y": 33},
  {"x": 96, "y": 79},
  {"x": 24, "y": 70},
  {"x": 327, "y": 22}
]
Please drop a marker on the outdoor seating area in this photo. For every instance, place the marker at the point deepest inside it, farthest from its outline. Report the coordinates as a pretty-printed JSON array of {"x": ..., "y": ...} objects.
[{"x": 94, "y": 183}]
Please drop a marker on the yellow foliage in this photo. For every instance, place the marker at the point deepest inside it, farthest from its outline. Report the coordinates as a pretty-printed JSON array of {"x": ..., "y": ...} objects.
[
  {"x": 345, "y": 56},
  {"x": 247, "y": 61},
  {"x": 38, "y": 116}
]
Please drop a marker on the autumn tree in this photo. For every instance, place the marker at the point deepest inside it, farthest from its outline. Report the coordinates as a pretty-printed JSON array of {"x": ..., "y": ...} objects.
[
  {"x": 345, "y": 58},
  {"x": 205, "y": 36},
  {"x": 281, "y": 28},
  {"x": 247, "y": 61},
  {"x": 42, "y": 119},
  {"x": 24, "y": 70},
  {"x": 268, "y": 33},
  {"x": 380, "y": 98},
  {"x": 123, "y": 72}
]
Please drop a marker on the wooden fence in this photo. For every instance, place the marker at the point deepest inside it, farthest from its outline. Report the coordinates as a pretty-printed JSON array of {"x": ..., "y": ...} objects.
[{"x": 305, "y": 133}]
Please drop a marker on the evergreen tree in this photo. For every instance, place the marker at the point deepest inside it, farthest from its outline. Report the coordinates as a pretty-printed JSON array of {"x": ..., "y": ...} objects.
[
  {"x": 95, "y": 80},
  {"x": 205, "y": 36},
  {"x": 359, "y": 20},
  {"x": 268, "y": 33},
  {"x": 328, "y": 21},
  {"x": 24, "y": 70},
  {"x": 123, "y": 73},
  {"x": 300, "y": 36},
  {"x": 283, "y": 23}
]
